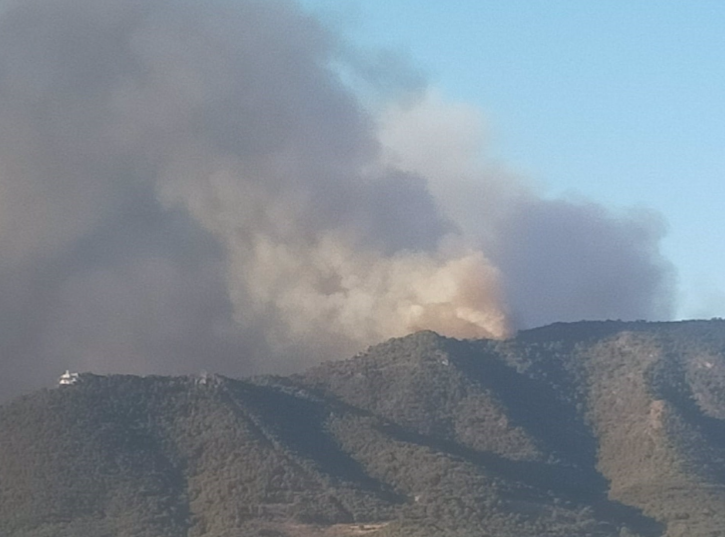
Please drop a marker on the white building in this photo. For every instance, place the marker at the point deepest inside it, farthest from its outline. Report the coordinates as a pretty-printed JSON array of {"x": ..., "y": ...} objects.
[{"x": 68, "y": 378}]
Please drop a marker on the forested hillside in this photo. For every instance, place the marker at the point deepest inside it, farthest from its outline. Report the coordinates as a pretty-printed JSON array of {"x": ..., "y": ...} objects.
[{"x": 593, "y": 428}]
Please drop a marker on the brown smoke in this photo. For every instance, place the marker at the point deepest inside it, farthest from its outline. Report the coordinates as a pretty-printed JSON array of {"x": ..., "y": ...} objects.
[{"x": 191, "y": 185}]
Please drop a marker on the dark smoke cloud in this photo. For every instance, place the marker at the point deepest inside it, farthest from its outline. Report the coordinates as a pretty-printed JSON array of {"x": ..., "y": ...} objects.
[
  {"x": 572, "y": 260},
  {"x": 189, "y": 186},
  {"x": 559, "y": 259}
]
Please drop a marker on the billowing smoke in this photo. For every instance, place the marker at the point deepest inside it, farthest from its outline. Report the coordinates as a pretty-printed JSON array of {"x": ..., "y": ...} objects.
[
  {"x": 559, "y": 259},
  {"x": 190, "y": 185}
]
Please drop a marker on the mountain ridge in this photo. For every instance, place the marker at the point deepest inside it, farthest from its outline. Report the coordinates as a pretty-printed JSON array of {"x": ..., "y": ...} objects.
[{"x": 604, "y": 428}]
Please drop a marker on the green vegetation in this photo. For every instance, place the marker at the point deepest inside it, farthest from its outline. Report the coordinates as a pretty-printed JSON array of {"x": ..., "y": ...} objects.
[{"x": 603, "y": 429}]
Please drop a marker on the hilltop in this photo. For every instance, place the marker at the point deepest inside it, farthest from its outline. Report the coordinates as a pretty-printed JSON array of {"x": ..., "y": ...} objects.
[{"x": 592, "y": 428}]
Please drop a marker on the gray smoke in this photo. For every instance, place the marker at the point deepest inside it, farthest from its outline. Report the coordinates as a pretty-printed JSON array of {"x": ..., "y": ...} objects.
[
  {"x": 559, "y": 259},
  {"x": 189, "y": 186}
]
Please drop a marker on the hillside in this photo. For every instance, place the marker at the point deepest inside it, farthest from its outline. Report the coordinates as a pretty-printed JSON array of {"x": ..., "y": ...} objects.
[{"x": 593, "y": 428}]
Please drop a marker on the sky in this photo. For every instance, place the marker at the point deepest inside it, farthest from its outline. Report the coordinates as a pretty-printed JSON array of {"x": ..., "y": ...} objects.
[{"x": 620, "y": 102}]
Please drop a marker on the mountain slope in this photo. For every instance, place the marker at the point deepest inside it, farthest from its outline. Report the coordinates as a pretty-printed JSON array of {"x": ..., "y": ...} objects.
[{"x": 601, "y": 429}]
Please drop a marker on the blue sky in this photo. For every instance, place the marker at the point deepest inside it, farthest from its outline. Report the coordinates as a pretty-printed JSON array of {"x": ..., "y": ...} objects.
[{"x": 621, "y": 102}]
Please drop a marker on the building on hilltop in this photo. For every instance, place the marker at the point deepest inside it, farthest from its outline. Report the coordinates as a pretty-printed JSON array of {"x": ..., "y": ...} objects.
[{"x": 68, "y": 378}]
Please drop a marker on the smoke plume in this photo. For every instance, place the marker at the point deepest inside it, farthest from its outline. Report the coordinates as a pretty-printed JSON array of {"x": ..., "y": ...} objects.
[{"x": 189, "y": 186}]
